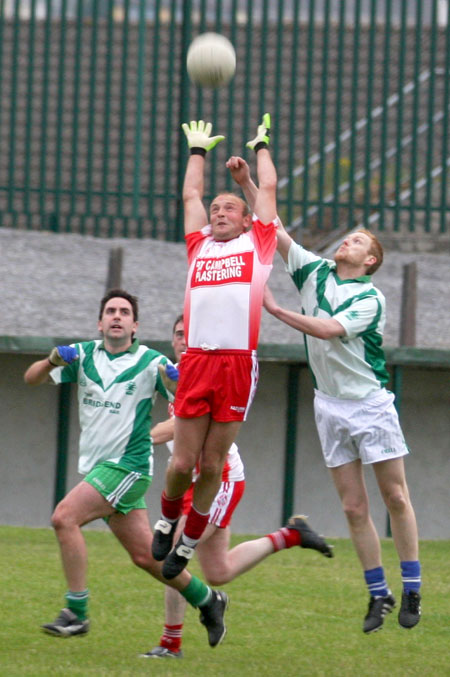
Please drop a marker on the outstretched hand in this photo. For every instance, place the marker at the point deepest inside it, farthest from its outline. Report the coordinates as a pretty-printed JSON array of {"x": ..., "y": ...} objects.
[
  {"x": 198, "y": 135},
  {"x": 261, "y": 139}
]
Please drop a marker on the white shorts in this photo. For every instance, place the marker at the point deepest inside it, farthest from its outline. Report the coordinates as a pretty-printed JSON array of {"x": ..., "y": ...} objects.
[{"x": 366, "y": 429}]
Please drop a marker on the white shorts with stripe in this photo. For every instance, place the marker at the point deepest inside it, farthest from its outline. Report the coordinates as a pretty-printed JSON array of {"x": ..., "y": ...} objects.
[{"x": 366, "y": 429}]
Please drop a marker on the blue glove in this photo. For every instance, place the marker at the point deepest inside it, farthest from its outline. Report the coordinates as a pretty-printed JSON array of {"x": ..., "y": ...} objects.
[
  {"x": 61, "y": 356},
  {"x": 169, "y": 376},
  {"x": 172, "y": 372}
]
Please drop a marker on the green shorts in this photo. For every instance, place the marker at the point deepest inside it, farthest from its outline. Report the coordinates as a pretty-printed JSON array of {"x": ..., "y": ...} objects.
[{"x": 122, "y": 488}]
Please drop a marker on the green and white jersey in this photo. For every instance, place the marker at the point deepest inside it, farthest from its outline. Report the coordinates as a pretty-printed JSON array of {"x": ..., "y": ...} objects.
[
  {"x": 351, "y": 366},
  {"x": 116, "y": 394}
]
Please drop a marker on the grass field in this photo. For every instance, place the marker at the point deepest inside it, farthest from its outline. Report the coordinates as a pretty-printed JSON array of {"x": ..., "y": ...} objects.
[{"x": 297, "y": 614}]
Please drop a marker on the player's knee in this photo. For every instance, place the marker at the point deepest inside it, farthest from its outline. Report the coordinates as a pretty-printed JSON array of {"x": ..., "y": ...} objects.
[
  {"x": 219, "y": 576},
  {"x": 356, "y": 512},
  {"x": 396, "y": 501},
  {"x": 211, "y": 468},
  {"x": 143, "y": 559},
  {"x": 61, "y": 518},
  {"x": 182, "y": 466},
  {"x": 56, "y": 521}
]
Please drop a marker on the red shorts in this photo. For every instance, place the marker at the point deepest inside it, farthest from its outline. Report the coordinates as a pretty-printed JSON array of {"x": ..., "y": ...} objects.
[
  {"x": 224, "y": 504},
  {"x": 220, "y": 382}
]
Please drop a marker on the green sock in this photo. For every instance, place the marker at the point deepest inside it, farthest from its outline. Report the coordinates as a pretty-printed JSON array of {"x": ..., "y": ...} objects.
[
  {"x": 78, "y": 603},
  {"x": 196, "y": 592}
]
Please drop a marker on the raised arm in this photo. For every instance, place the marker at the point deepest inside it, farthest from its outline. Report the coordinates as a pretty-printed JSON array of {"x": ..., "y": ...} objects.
[
  {"x": 199, "y": 142},
  {"x": 240, "y": 171},
  {"x": 323, "y": 328},
  {"x": 266, "y": 198},
  {"x": 284, "y": 241}
]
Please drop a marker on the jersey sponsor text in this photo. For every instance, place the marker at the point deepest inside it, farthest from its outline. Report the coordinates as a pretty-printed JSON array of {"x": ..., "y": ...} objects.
[
  {"x": 234, "y": 268},
  {"x": 98, "y": 403}
]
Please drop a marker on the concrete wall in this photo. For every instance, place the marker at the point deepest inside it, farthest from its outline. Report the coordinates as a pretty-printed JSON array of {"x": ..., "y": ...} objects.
[{"x": 28, "y": 421}]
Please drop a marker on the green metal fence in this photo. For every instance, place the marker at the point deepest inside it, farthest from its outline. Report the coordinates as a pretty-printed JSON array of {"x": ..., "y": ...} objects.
[{"x": 93, "y": 94}]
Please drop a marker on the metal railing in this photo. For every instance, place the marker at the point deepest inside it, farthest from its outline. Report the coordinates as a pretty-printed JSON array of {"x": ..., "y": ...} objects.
[
  {"x": 375, "y": 163},
  {"x": 93, "y": 94}
]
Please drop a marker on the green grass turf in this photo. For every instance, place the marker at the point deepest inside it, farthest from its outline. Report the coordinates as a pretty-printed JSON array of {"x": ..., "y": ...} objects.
[{"x": 296, "y": 614}]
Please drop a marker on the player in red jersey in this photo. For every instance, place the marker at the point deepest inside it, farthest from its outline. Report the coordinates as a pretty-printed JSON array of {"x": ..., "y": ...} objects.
[{"x": 230, "y": 258}]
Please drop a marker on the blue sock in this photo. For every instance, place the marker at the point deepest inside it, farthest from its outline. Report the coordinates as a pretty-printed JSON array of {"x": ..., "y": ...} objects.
[
  {"x": 411, "y": 576},
  {"x": 376, "y": 582}
]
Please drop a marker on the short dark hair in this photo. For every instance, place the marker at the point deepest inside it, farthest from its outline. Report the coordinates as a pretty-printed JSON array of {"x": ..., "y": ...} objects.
[
  {"x": 119, "y": 293},
  {"x": 180, "y": 318}
]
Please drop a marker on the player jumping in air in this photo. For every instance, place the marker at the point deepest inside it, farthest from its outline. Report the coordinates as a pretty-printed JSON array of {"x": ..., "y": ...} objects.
[
  {"x": 343, "y": 318},
  {"x": 228, "y": 267}
]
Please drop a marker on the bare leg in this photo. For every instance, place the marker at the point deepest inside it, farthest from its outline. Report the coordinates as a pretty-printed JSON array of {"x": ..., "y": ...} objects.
[
  {"x": 218, "y": 441},
  {"x": 221, "y": 565},
  {"x": 189, "y": 437},
  {"x": 175, "y": 607},
  {"x": 350, "y": 485},
  {"x": 174, "y": 603},
  {"x": 81, "y": 505},
  {"x": 392, "y": 483},
  {"x": 212, "y": 455},
  {"x": 134, "y": 533}
]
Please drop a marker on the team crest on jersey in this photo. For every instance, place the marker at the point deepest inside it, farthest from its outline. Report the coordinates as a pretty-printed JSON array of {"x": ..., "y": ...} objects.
[
  {"x": 352, "y": 314},
  {"x": 131, "y": 388},
  {"x": 223, "y": 270},
  {"x": 83, "y": 382}
]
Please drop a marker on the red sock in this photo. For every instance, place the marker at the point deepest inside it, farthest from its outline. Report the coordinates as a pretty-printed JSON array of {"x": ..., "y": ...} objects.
[
  {"x": 171, "y": 637},
  {"x": 195, "y": 524},
  {"x": 171, "y": 507},
  {"x": 284, "y": 538}
]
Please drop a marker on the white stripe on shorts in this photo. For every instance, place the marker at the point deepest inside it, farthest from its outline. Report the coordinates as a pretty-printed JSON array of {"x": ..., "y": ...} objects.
[
  {"x": 254, "y": 383},
  {"x": 122, "y": 488},
  {"x": 221, "y": 503}
]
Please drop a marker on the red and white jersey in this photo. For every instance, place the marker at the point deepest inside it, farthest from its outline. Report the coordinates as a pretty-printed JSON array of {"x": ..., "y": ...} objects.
[
  {"x": 233, "y": 470},
  {"x": 225, "y": 286}
]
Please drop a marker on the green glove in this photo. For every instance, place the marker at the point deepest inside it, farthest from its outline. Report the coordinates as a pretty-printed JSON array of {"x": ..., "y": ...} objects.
[
  {"x": 198, "y": 137},
  {"x": 261, "y": 139}
]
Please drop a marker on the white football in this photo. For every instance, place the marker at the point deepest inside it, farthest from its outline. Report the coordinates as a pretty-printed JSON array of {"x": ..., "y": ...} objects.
[{"x": 211, "y": 60}]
